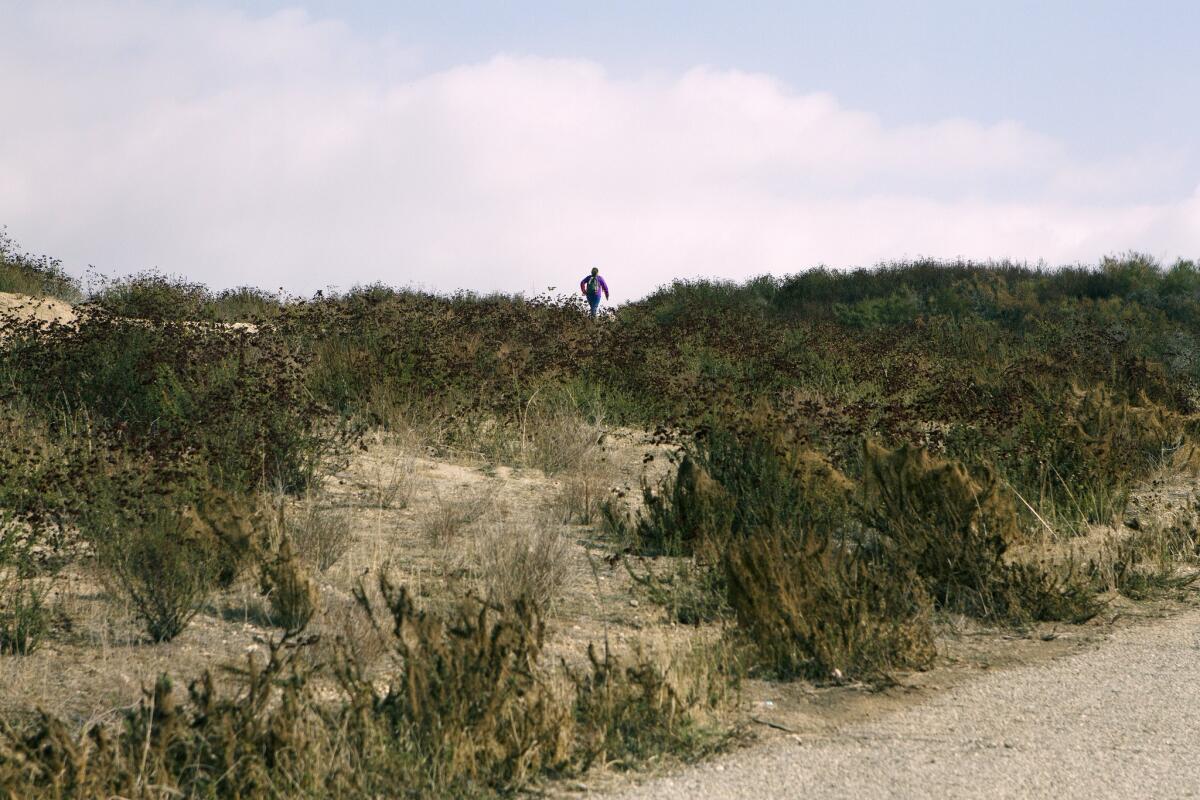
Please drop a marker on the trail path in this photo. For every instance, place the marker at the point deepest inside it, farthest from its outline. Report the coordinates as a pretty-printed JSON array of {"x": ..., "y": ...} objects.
[{"x": 1121, "y": 720}]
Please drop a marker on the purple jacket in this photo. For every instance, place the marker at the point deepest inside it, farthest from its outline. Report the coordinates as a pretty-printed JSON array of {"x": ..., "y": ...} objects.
[{"x": 583, "y": 285}]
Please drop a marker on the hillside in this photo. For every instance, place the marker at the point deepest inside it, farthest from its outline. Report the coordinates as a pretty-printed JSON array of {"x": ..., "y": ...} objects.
[{"x": 466, "y": 544}]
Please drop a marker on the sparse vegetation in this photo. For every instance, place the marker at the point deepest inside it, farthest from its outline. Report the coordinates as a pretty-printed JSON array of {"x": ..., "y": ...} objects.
[
  {"x": 24, "y": 615},
  {"x": 24, "y": 610},
  {"x": 35, "y": 276},
  {"x": 526, "y": 560},
  {"x": 290, "y": 590},
  {"x": 451, "y": 517},
  {"x": 318, "y": 533},
  {"x": 392, "y": 484}
]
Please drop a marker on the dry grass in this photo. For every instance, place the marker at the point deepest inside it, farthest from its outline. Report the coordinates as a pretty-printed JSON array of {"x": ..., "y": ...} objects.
[
  {"x": 557, "y": 435},
  {"x": 319, "y": 533},
  {"x": 291, "y": 592},
  {"x": 584, "y": 488},
  {"x": 449, "y": 518},
  {"x": 392, "y": 482},
  {"x": 1161, "y": 557},
  {"x": 520, "y": 559}
]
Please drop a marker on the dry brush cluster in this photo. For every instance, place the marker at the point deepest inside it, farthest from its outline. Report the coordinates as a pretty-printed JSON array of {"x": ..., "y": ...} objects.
[
  {"x": 467, "y": 712},
  {"x": 831, "y": 577}
]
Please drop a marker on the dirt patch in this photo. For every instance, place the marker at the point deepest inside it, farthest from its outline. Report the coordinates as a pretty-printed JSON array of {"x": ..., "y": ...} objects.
[{"x": 44, "y": 309}]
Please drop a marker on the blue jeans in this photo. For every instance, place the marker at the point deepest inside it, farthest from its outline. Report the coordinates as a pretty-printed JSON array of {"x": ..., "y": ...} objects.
[{"x": 594, "y": 304}]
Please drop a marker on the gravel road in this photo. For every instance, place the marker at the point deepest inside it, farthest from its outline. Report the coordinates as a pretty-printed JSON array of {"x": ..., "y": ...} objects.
[{"x": 1121, "y": 720}]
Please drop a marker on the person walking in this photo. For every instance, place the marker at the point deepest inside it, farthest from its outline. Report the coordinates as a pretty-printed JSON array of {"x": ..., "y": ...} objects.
[{"x": 590, "y": 287}]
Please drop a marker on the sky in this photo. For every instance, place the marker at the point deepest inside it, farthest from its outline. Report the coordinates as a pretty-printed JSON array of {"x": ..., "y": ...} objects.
[{"x": 512, "y": 146}]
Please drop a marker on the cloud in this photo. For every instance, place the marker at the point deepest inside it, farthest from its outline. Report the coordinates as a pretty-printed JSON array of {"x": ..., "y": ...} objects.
[{"x": 290, "y": 151}]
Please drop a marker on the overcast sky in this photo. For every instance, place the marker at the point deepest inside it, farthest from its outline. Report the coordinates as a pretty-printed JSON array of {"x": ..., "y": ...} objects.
[{"x": 514, "y": 145}]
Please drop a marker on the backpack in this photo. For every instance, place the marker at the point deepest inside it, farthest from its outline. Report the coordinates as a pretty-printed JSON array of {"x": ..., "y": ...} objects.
[{"x": 593, "y": 286}]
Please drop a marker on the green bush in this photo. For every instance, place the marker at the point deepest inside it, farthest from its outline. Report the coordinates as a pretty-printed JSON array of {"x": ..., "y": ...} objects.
[
  {"x": 159, "y": 564},
  {"x": 166, "y": 551},
  {"x": 154, "y": 297},
  {"x": 25, "y": 614}
]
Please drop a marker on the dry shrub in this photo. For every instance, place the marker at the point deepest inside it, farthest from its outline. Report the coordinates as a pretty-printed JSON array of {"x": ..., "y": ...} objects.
[
  {"x": 767, "y": 527},
  {"x": 1148, "y": 562},
  {"x": 235, "y": 521},
  {"x": 467, "y": 702},
  {"x": 952, "y": 528},
  {"x": 557, "y": 435},
  {"x": 690, "y": 513},
  {"x": 1085, "y": 448},
  {"x": 689, "y": 592},
  {"x": 167, "y": 559},
  {"x": 319, "y": 533},
  {"x": 522, "y": 560},
  {"x": 774, "y": 482},
  {"x": 345, "y": 626},
  {"x": 290, "y": 590},
  {"x": 626, "y": 713},
  {"x": 449, "y": 518},
  {"x": 689, "y": 516},
  {"x": 1185, "y": 458},
  {"x": 472, "y": 705},
  {"x": 1047, "y": 591},
  {"x": 392, "y": 483},
  {"x": 467, "y": 713},
  {"x": 1122, "y": 436},
  {"x": 261, "y": 741},
  {"x": 814, "y": 609}
]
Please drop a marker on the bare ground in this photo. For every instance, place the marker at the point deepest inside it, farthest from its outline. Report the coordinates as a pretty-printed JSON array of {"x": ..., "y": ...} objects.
[{"x": 1115, "y": 716}]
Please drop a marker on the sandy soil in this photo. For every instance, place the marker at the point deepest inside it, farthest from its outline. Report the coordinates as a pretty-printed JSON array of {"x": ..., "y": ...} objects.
[{"x": 45, "y": 309}]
